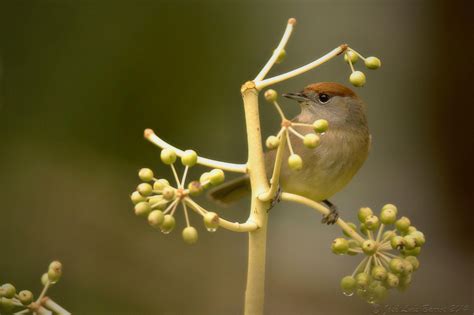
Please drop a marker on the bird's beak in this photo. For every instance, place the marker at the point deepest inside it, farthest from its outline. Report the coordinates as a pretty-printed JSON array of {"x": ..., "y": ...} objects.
[{"x": 300, "y": 96}]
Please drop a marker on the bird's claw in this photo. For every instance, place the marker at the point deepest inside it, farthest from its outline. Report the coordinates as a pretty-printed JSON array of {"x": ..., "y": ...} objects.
[{"x": 276, "y": 199}]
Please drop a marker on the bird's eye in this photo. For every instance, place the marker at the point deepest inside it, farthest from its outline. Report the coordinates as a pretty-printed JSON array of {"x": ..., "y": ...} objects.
[{"x": 323, "y": 98}]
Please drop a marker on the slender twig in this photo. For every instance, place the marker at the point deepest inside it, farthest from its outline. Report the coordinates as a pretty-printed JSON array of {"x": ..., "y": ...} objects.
[
  {"x": 379, "y": 234},
  {"x": 360, "y": 266},
  {"x": 56, "y": 308},
  {"x": 231, "y": 167}
]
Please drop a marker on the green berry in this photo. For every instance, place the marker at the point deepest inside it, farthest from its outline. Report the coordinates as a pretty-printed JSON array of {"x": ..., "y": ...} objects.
[
  {"x": 369, "y": 247},
  {"x": 411, "y": 252},
  {"x": 195, "y": 188},
  {"x": 168, "y": 156},
  {"x": 295, "y": 162},
  {"x": 270, "y": 95},
  {"x": 320, "y": 125},
  {"x": 190, "y": 235},
  {"x": 411, "y": 229},
  {"x": 357, "y": 78},
  {"x": 364, "y": 213},
  {"x": 25, "y": 297},
  {"x": 348, "y": 284},
  {"x": 216, "y": 176},
  {"x": 53, "y": 276},
  {"x": 378, "y": 292},
  {"x": 413, "y": 261},
  {"x": 168, "y": 224},
  {"x": 379, "y": 273},
  {"x": 158, "y": 202},
  {"x": 372, "y": 63},
  {"x": 168, "y": 193},
  {"x": 311, "y": 140},
  {"x": 145, "y": 174},
  {"x": 419, "y": 238},
  {"x": 142, "y": 208},
  {"x": 352, "y": 56},
  {"x": 397, "y": 242},
  {"x": 372, "y": 222},
  {"x": 44, "y": 278},
  {"x": 362, "y": 280},
  {"x": 55, "y": 271},
  {"x": 6, "y": 305},
  {"x": 272, "y": 142},
  {"x": 156, "y": 218},
  {"x": 409, "y": 241},
  {"x": 363, "y": 229},
  {"x": 352, "y": 226},
  {"x": 211, "y": 221},
  {"x": 160, "y": 184},
  {"x": 390, "y": 206},
  {"x": 402, "y": 224},
  {"x": 136, "y": 197},
  {"x": 281, "y": 56},
  {"x": 189, "y": 158},
  {"x": 404, "y": 282},
  {"x": 397, "y": 265},
  {"x": 145, "y": 189},
  {"x": 408, "y": 267},
  {"x": 388, "y": 216},
  {"x": 392, "y": 280},
  {"x": 7, "y": 290},
  {"x": 340, "y": 246},
  {"x": 204, "y": 179}
]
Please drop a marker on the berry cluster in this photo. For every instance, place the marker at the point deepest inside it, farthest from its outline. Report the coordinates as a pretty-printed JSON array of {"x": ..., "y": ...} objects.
[
  {"x": 357, "y": 78},
  {"x": 158, "y": 199},
  {"x": 23, "y": 301},
  {"x": 381, "y": 269},
  {"x": 310, "y": 140}
]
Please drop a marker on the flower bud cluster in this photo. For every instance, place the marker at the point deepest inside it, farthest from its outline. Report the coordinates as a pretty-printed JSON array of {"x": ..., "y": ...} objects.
[
  {"x": 357, "y": 78},
  {"x": 390, "y": 255}
]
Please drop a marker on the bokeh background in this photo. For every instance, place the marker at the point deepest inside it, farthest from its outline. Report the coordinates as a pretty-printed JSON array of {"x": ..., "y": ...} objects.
[{"x": 81, "y": 80}]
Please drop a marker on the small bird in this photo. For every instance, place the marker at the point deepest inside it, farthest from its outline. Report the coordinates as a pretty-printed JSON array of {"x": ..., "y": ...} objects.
[{"x": 329, "y": 167}]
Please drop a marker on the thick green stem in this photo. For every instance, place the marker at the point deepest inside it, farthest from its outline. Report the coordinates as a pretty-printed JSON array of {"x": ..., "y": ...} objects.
[{"x": 255, "y": 291}]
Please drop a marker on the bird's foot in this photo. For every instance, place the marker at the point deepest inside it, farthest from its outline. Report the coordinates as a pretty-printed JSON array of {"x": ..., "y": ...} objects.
[
  {"x": 332, "y": 216},
  {"x": 276, "y": 199}
]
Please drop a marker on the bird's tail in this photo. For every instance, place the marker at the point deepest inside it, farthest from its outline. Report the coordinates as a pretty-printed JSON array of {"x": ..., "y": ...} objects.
[{"x": 230, "y": 192}]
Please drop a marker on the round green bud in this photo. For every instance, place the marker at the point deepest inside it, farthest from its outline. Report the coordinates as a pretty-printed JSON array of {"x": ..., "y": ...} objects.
[
  {"x": 7, "y": 290},
  {"x": 363, "y": 213},
  {"x": 136, "y": 197},
  {"x": 397, "y": 265},
  {"x": 352, "y": 56},
  {"x": 44, "y": 278},
  {"x": 195, "y": 188},
  {"x": 411, "y": 229},
  {"x": 6, "y": 305},
  {"x": 168, "y": 224},
  {"x": 362, "y": 280},
  {"x": 216, "y": 176},
  {"x": 295, "y": 162},
  {"x": 145, "y": 189},
  {"x": 320, "y": 125},
  {"x": 158, "y": 202},
  {"x": 413, "y": 261},
  {"x": 372, "y": 63},
  {"x": 357, "y": 78},
  {"x": 390, "y": 206},
  {"x": 56, "y": 266},
  {"x": 145, "y": 174},
  {"x": 272, "y": 142},
  {"x": 405, "y": 282},
  {"x": 311, "y": 140},
  {"x": 409, "y": 241},
  {"x": 372, "y": 222},
  {"x": 168, "y": 193},
  {"x": 411, "y": 252},
  {"x": 402, "y": 224},
  {"x": 348, "y": 284},
  {"x": 369, "y": 247},
  {"x": 270, "y": 95},
  {"x": 190, "y": 235},
  {"x": 353, "y": 245},
  {"x": 408, "y": 267},
  {"x": 142, "y": 208},
  {"x": 211, "y": 221},
  {"x": 363, "y": 229},
  {"x": 168, "y": 156},
  {"x": 419, "y": 238},
  {"x": 156, "y": 218},
  {"x": 392, "y": 280},
  {"x": 189, "y": 158},
  {"x": 160, "y": 184},
  {"x": 379, "y": 273},
  {"x": 340, "y": 246},
  {"x": 388, "y": 216},
  {"x": 397, "y": 242},
  {"x": 352, "y": 226},
  {"x": 53, "y": 276},
  {"x": 204, "y": 179},
  {"x": 281, "y": 56},
  {"x": 25, "y": 297},
  {"x": 378, "y": 293}
]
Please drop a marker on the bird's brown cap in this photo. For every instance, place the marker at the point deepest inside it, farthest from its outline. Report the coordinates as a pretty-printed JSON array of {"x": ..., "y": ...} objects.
[{"x": 331, "y": 88}]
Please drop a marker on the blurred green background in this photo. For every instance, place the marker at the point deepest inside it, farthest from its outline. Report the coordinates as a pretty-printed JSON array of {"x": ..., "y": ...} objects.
[{"x": 81, "y": 80}]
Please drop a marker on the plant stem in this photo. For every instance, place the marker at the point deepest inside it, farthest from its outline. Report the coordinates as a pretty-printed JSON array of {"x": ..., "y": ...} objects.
[{"x": 254, "y": 293}]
